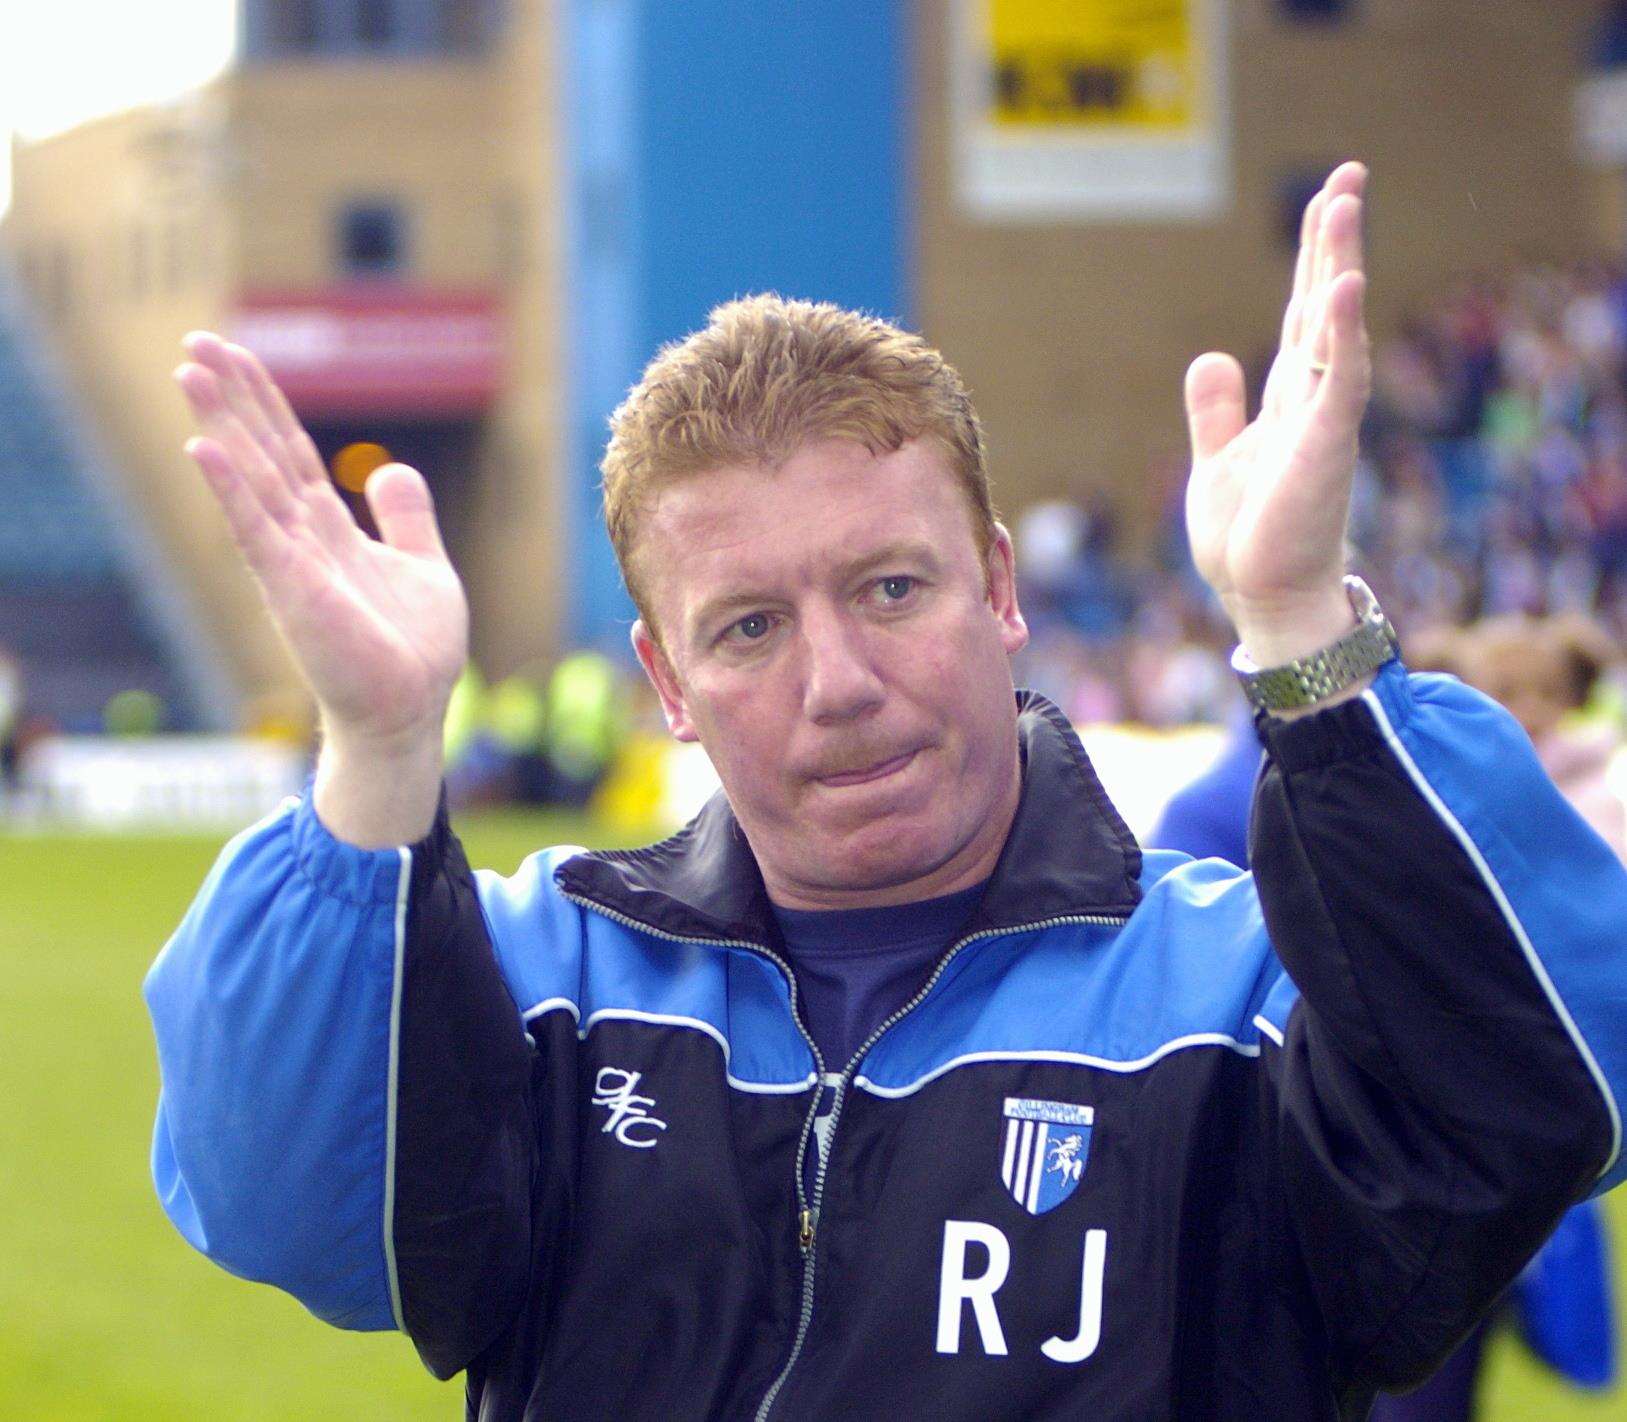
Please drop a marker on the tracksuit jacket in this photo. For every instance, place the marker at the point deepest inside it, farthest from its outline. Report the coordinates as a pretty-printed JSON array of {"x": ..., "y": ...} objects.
[{"x": 1157, "y": 1138}]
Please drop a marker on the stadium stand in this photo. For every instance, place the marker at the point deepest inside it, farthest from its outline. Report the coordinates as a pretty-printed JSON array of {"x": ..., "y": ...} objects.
[
  {"x": 1493, "y": 481},
  {"x": 84, "y": 605}
]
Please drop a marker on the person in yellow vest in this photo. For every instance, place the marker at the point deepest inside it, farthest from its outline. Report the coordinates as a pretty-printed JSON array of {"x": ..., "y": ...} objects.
[{"x": 585, "y": 725}]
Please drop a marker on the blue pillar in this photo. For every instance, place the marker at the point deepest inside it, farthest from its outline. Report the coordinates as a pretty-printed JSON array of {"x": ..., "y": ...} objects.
[{"x": 715, "y": 148}]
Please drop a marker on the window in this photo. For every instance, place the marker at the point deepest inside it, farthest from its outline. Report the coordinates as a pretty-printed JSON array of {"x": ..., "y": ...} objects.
[
  {"x": 468, "y": 26},
  {"x": 1609, "y": 48},
  {"x": 378, "y": 25},
  {"x": 1316, "y": 11},
  {"x": 277, "y": 27},
  {"x": 371, "y": 242},
  {"x": 1294, "y": 194}
]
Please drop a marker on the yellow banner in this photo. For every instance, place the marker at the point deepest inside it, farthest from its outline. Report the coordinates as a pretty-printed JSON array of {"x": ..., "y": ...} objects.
[{"x": 1097, "y": 64}]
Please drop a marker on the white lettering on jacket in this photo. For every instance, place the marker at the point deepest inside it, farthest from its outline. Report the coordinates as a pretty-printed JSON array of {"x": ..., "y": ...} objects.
[
  {"x": 614, "y": 1088},
  {"x": 1083, "y": 1343},
  {"x": 955, "y": 1290}
]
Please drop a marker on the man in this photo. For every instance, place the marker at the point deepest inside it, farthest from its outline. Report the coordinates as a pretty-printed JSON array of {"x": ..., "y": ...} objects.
[{"x": 900, "y": 1083}]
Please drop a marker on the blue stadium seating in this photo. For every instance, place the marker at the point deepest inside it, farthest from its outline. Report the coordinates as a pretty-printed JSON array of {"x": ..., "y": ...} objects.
[{"x": 71, "y": 605}]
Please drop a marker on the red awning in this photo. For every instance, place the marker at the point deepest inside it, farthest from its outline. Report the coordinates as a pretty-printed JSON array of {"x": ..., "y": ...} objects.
[{"x": 376, "y": 350}]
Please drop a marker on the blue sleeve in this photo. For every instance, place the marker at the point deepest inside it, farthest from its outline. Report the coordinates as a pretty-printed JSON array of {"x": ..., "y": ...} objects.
[
  {"x": 276, "y": 1008},
  {"x": 1559, "y": 888},
  {"x": 1449, "y": 1042}
]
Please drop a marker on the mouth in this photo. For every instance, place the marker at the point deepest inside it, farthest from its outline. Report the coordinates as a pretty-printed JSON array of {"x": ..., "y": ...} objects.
[{"x": 879, "y": 771}]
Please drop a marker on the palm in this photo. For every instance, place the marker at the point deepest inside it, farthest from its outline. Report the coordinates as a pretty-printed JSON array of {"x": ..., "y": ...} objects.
[
  {"x": 380, "y": 635},
  {"x": 379, "y": 629},
  {"x": 1267, "y": 501}
]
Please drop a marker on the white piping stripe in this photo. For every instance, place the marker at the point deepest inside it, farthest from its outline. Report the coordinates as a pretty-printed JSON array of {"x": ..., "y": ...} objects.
[
  {"x": 1194, "y": 1039},
  {"x": 552, "y": 1004},
  {"x": 392, "y": 1087},
  {"x": 1526, "y": 946},
  {"x": 1268, "y": 1027},
  {"x": 666, "y": 1019},
  {"x": 1011, "y": 1152}
]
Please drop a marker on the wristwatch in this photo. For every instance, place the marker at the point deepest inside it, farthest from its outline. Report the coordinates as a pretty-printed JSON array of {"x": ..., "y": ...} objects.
[{"x": 1307, "y": 680}]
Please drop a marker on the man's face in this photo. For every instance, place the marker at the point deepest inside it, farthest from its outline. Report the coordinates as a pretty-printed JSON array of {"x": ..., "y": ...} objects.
[{"x": 831, "y": 636}]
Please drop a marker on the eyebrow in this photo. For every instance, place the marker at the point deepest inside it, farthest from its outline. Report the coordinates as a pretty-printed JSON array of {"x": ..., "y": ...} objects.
[{"x": 747, "y": 600}]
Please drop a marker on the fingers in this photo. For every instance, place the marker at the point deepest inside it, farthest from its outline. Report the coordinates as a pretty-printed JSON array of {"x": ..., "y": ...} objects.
[
  {"x": 275, "y": 426},
  {"x": 239, "y": 405},
  {"x": 226, "y": 434},
  {"x": 404, "y": 511},
  {"x": 279, "y": 418},
  {"x": 1310, "y": 227},
  {"x": 216, "y": 356},
  {"x": 252, "y": 396},
  {"x": 1216, "y": 403},
  {"x": 1339, "y": 251},
  {"x": 260, "y": 538},
  {"x": 1315, "y": 264},
  {"x": 1345, "y": 387}
]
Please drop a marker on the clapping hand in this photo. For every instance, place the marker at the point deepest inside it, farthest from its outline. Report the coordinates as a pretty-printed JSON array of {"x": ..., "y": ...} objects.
[
  {"x": 379, "y": 629},
  {"x": 1268, "y": 500}
]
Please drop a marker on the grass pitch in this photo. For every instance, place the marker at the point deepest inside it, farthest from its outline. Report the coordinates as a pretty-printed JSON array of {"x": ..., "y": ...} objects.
[{"x": 104, "y": 1312}]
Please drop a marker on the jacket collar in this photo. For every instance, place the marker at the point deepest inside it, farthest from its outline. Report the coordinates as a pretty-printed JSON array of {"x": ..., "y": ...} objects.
[{"x": 1068, "y": 854}]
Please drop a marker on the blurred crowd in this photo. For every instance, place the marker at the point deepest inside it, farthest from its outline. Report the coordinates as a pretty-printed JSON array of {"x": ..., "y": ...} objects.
[{"x": 1493, "y": 481}]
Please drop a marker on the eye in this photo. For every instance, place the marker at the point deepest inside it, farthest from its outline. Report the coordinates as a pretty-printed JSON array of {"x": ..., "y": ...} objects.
[
  {"x": 896, "y": 588},
  {"x": 750, "y": 628}
]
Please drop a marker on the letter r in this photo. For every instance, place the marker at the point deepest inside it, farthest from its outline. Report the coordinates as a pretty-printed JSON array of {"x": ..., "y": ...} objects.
[{"x": 955, "y": 1289}]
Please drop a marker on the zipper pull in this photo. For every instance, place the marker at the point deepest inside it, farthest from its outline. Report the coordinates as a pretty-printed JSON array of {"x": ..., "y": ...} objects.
[{"x": 805, "y": 1231}]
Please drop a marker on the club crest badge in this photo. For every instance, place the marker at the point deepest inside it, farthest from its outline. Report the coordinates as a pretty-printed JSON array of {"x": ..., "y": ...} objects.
[{"x": 1046, "y": 1146}]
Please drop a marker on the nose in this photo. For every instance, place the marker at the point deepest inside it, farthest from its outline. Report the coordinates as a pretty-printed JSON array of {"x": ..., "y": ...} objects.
[{"x": 840, "y": 683}]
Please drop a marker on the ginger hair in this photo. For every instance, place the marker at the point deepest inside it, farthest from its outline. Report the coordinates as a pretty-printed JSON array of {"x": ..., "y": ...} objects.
[{"x": 765, "y": 377}]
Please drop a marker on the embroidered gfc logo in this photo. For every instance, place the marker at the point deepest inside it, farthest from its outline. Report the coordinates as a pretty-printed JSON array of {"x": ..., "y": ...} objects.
[
  {"x": 1046, "y": 1146},
  {"x": 629, "y": 1119}
]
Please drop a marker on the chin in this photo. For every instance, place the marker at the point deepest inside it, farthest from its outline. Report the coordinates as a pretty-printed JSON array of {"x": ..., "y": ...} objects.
[{"x": 883, "y": 856}]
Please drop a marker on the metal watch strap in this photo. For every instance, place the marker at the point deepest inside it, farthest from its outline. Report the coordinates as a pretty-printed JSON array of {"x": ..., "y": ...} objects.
[{"x": 1307, "y": 680}]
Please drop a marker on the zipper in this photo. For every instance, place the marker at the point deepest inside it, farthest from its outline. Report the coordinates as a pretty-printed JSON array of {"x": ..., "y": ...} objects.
[
  {"x": 810, "y": 1217},
  {"x": 807, "y": 1210}
]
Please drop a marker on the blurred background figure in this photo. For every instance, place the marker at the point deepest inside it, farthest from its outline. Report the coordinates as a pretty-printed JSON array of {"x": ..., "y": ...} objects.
[
  {"x": 11, "y": 715},
  {"x": 1552, "y": 673},
  {"x": 1208, "y": 817}
]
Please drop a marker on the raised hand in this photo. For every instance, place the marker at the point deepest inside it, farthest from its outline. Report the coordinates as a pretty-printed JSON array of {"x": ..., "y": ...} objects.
[
  {"x": 1268, "y": 501},
  {"x": 379, "y": 630}
]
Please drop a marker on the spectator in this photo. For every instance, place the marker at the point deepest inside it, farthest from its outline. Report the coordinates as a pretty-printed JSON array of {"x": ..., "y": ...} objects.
[{"x": 11, "y": 717}]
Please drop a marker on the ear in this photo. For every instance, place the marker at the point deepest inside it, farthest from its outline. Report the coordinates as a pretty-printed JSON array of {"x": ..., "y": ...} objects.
[
  {"x": 1001, "y": 578},
  {"x": 653, "y": 659}
]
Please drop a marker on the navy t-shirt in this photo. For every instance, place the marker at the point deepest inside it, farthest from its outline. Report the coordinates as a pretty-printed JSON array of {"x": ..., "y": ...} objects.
[{"x": 856, "y": 967}]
